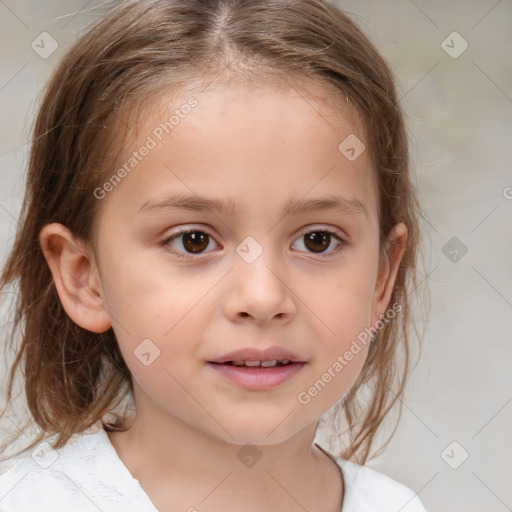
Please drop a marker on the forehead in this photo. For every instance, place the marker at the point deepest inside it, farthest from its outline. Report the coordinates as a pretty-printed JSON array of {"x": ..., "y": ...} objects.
[
  {"x": 272, "y": 96},
  {"x": 274, "y": 143}
]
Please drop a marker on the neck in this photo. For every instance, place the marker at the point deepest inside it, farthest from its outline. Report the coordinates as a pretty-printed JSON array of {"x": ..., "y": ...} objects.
[{"x": 181, "y": 467}]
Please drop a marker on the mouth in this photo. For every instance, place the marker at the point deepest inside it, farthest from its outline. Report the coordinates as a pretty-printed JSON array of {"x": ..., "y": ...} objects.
[
  {"x": 259, "y": 364},
  {"x": 258, "y": 369},
  {"x": 254, "y": 357}
]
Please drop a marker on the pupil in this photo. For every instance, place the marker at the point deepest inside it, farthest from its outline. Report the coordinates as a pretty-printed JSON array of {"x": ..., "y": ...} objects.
[
  {"x": 195, "y": 242},
  {"x": 319, "y": 239}
]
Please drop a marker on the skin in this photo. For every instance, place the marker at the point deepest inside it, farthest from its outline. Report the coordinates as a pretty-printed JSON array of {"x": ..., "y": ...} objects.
[{"x": 260, "y": 148}]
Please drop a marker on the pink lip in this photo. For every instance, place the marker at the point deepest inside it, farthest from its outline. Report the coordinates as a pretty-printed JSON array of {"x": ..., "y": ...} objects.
[
  {"x": 257, "y": 379},
  {"x": 255, "y": 354}
]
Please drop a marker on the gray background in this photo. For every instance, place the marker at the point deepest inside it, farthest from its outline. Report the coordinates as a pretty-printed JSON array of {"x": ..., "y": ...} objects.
[{"x": 460, "y": 115}]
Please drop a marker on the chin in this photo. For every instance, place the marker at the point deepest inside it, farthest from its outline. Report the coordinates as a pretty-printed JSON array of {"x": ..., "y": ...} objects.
[{"x": 259, "y": 430}]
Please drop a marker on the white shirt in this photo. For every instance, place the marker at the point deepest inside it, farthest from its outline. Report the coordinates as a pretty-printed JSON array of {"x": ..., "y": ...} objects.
[{"x": 87, "y": 475}]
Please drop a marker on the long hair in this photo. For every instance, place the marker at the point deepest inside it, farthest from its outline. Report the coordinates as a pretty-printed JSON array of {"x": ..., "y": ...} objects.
[{"x": 73, "y": 377}]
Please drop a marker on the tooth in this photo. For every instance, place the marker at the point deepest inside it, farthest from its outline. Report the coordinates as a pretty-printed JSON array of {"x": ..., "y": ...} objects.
[
  {"x": 285, "y": 361},
  {"x": 237, "y": 363},
  {"x": 267, "y": 364},
  {"x": 252, "y": 363}
]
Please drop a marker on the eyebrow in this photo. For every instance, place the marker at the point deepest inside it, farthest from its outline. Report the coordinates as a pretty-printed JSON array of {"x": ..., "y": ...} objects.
[{"x": 229, "y": 207}]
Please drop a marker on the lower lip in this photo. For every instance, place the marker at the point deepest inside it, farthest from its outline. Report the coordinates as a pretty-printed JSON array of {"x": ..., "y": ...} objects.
[{"x": 257, "y": 378}]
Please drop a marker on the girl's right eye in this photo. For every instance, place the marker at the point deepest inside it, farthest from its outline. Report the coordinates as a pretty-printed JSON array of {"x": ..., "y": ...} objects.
[{"x": 189, "y": 241}]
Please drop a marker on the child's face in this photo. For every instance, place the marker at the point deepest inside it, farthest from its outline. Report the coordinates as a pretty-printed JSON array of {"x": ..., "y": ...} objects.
[{"x": 258, "y": 149}]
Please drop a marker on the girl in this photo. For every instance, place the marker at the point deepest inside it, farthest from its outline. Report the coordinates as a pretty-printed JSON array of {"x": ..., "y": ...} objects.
[{"x": 218, "y": 223}]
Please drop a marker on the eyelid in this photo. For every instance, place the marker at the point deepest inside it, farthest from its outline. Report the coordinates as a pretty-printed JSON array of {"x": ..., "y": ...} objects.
[{"x": 324, "y": 228}]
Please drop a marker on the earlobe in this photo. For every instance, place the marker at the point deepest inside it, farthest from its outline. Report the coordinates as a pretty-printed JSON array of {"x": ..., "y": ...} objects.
[
  {"x": 388, "y": 269},
  {"x": 76, "y": 277}
]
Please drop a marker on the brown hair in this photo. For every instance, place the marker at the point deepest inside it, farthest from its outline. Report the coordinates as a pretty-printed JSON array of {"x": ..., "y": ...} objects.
[{"x": 73, "y": 377}]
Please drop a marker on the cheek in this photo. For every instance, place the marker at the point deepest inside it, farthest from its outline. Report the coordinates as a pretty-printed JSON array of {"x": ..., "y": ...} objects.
[
  {"x": 147, "y": 299},
  {"x": 161, "y": 353},
  {"x": 344, "y": 300},
  {"x": 344, "y": 305},
  {"x": 158, "y": 325}
]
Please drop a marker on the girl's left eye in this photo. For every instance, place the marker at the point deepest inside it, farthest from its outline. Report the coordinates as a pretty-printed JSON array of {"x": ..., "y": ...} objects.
[
  {"x": 194, "y": 241},
  {"x": 319, "y": 240}
]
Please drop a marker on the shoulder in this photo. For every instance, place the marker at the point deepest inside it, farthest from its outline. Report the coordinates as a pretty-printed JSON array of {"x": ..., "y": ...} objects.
[
  {"x": 369, "y": 490},
  {"x": 84, "y": 475}
]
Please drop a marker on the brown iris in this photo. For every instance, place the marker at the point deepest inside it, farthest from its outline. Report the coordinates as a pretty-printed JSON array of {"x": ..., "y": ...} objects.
[
  {"x": 317, "y": 241},
  {"x": 195, "y": 242}
]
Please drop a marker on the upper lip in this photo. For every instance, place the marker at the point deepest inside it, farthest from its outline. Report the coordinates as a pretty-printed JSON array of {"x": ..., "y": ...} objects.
[{"x": 256, "y": 354}]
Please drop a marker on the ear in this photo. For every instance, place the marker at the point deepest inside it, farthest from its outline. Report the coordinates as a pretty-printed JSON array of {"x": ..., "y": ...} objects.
[
  {"x": 388, "y": 269},
  {"x": 76, "y": 277}
]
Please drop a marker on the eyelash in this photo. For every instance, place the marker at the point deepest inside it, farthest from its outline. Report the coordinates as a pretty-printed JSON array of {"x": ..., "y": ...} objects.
[{"x": 165, "y": 243}]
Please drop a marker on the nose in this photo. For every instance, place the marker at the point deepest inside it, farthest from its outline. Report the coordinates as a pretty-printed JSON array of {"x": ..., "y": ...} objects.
[{"x": 259, "y": 292}]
